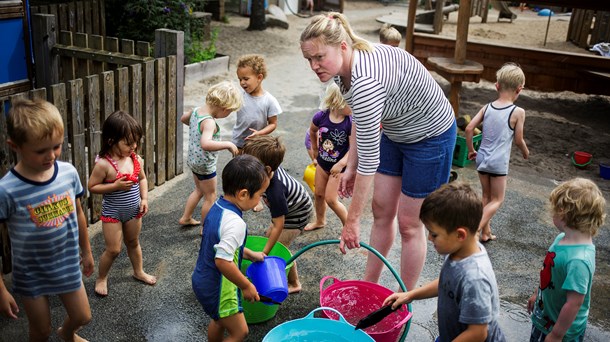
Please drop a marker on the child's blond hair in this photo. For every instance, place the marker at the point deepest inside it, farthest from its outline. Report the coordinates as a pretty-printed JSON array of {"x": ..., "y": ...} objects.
[
  {"x": 333, "y": 99},
  {"x": 388, "y": 34},
  {"x": 32, "y": 120},
  {"x": 580, "y": 204},
  {"x": 510, "y": 77},
  {"x": 256, "y": 62},
  {"x": 224, "y": 95},
  {"x": 270, "y": 150}
]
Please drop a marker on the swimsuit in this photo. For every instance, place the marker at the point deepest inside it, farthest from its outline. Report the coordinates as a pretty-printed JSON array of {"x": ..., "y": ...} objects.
[{"x": 122, "y": 206}]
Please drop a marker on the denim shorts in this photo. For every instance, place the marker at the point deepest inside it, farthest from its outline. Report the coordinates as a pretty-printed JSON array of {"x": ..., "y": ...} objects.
[
  {"x": 424, "y": 166},
  {"x": 538, "y": 336}
]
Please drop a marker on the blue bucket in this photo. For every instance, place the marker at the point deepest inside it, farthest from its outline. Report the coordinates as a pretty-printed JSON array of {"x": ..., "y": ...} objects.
[
  {"x": 269, "y": 278},
  {"x": 311, "y": 328}
]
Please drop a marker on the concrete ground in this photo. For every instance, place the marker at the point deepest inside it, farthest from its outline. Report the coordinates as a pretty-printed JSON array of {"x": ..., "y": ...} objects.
[{"x": 170, "y": 312}]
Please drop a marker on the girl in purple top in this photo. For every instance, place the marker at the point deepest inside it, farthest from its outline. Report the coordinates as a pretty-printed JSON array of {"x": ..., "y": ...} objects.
[{"x": 332, "y": 127}]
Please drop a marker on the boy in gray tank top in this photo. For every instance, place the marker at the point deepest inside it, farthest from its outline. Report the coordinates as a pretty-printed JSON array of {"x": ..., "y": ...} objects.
[{"x": 468, "y": 302}]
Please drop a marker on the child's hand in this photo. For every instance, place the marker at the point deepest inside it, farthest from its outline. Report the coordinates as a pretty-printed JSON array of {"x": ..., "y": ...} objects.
[
  {"x": 88, "y": 264},
  {"x": 530, "y": 303},
  {"x": 144, "y": 206},
  {"x": 8, "y": 306},
  {"x": 232, "y": 148},
  {"x": 335, "y": 171},
  {"x": 397, "y": 299},
  {"x": 472, "y": 155},
  {"x": 123, "y": 184},
  {"x": 526, "y": 154},
  {"x": 257, "y": 256},
  {"x": 254, "y": 133},
  {"x": 250, "y": 294}
]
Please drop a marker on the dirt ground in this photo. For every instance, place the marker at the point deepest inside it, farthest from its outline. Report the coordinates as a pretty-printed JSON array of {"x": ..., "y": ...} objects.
[{"x": 557, "y": 123}]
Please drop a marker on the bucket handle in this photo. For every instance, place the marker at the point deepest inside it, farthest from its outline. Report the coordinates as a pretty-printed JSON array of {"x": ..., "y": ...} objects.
[
  {"x": 335, "y": 280},
  {"x": 341, "y": 319},
  {"x": 581, "y": 165}
]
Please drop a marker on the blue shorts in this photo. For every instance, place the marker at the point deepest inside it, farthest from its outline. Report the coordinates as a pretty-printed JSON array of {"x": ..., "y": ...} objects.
[
  {"x": 424, "y": 166},
  {"x": 538, "y": 336},
  {"x": 204, "y": 177}
]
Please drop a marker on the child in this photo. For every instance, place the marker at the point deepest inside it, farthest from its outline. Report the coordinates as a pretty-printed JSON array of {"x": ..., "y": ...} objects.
[
  {"x": 118, "y": 175},
  {"x": 204, "y": 144},
  {"x": 331, "y": 150},
  {"x": 287, "y": 199},
  {"x": 40, "y": 201},
  {"x": 258, "y": 115},
  {"x": 560, "y": 305},
  {"x": 217, "y": 276},
  {"x": 389, "y": 35},
  {"x": 309, "y": 4},
  {"x": 502, "y": 121},
  {"x": 468, "y": 302}
]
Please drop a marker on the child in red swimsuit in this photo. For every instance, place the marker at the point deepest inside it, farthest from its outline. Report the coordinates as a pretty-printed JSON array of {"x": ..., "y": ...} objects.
[{"x": 118, "y": 175}]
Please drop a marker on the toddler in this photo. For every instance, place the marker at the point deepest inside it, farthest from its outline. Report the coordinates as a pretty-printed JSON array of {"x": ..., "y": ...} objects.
[{"x": 389, "y": 35}]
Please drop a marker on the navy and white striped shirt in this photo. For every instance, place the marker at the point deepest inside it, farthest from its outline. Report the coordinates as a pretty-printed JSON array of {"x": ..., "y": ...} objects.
[
  {"x": 287, "y": 197},
  {"x": 391, "y": 87}
]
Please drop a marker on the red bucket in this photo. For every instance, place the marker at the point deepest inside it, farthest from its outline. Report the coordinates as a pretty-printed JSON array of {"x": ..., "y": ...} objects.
[
  {"x": 581, "y": 159},
  {"x": 355, "y": 299}
]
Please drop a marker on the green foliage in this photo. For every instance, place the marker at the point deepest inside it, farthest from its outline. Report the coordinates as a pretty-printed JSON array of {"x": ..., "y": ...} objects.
[
  {"x": 140, "y": 18},
  {"x": 198, "y": 51}
]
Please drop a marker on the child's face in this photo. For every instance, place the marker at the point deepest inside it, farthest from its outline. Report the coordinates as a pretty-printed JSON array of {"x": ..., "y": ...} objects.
[
  {"x": 39, "y": 155},
  {"x": 246, "y": 202},
  {"x": 444, "y": 242},
  {"x": 248, "y": 80},
  {"x": 125, "y": 149}
]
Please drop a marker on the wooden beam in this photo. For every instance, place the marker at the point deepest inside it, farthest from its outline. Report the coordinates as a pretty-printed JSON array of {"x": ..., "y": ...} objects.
[{"x": 95, "y": 55}]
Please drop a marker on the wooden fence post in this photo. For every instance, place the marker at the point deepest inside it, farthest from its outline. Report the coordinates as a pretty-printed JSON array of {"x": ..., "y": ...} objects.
[
  {"x": 148, "y": 115},
  {"x": 94, "y": 137},
  {"x": 44, "y": 37},
  {"x": 161, "y": 128},
  {"x": 58, "y": 98},
  {"x": 77, "y": 119},
  {"x": 5, "y": 155},
  {"x": 171, "y": 42}
]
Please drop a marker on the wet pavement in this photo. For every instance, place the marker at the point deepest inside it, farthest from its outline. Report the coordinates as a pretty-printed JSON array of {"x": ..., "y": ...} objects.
[{"x": 170, "y": 312}]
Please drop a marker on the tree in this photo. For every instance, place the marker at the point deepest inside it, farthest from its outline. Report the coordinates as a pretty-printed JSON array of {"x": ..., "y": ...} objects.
[{"x": 257, "y": 16}]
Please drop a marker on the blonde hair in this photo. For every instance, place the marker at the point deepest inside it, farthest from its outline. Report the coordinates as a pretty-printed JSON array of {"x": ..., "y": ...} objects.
[
  {"x": 580, "y": 204},
  {"x": 256, "y": 62},
  {"x": 510, "y": 77},
  {"x": 269, "y": 149},
  {"x": 388, "y": 34},
  {"x": 332, "y": 29},
  {"x": 333, "y": 99},
  {"x": 224, "y": 95},
  {"x": 32, "y": 120}
]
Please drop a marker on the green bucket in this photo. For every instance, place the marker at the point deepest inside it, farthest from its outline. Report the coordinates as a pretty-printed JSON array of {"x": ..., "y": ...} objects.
[{"x": 258, "y": 312}]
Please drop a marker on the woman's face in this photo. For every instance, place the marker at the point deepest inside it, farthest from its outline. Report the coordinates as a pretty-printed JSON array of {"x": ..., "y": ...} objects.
[{"x": 326, "y": 61}]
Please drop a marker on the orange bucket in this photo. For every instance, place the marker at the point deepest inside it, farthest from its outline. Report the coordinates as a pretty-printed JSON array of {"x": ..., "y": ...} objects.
[{"x": 581, "y": 159}]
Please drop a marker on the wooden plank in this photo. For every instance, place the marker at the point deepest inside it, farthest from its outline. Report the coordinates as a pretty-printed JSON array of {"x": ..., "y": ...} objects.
[
  {"x": 143, "y": 49},
  {"x": 107, "y": 94},
  {"x": 80, "y": 17},
  {"x": 77, "y": 120},
  {"x": 95, "y": 18},
  {"x": 72, "y": 17},
  {"x": 6, "y": 160},
  {"x": 102, "y": 11},
  {"x": 115, "y": 58},
  {"x": 135, "y": 92},
  {"x": 43, "y": 40},
  {"x": 54, "y": 11},
  {"x": 87, "y": 17},
  {"x": 122, "y": 88},
  {"x": 93, "y": 137},
  {"x": 160, "y": 120},
  {"x": 111, "y": 44},
  {"x": 15, "y": 87},
  {"x": 68, "y": 63},
  {"x": 82, "y": 64},
  {"x": 128, "y": 46},
  {"x": 58, "y": 98},
  {"x": 63, "y": 17},
  {"x": 97, "y": 43},
  {"x": 148, "y": 112},
  {"x": 39, "y": 94},
  {"x": 171, "y": 117}
]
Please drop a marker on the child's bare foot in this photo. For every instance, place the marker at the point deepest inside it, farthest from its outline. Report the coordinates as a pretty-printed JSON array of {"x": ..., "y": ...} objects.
[
  {"x": 296, "y": 288},
  {"x": 101, "y": 287},
  {"x": 487, "y": 238},
  {"x": 188, "y": 222},
  {"x": 145, "y": 278},
  {"x": 75, "y": 338},
  {"x": 259, "y": 207},
  {"x": 313, "y": 226}
]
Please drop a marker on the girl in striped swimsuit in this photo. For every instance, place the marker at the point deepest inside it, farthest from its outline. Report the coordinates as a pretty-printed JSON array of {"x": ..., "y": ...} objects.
[{"x": 119, "y": 176}]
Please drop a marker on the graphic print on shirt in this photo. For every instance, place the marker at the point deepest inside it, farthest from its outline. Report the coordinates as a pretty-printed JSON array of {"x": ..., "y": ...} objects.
[
  {"x": 330, "y": 139},
  {"x": 546, "y": 282},
  {"x": 53, "y": 211}
]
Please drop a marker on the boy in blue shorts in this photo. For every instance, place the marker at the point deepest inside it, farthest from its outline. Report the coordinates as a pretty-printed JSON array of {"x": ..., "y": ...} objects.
[
  {"x": 217, "y": 278},
  {"x": 468, "y": 302},
  {"x": 40, "y": 201},
  {"x": 289, "y": 203}
]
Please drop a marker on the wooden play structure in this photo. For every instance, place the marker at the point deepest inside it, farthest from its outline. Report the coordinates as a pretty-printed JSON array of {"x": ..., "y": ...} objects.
[{"x": 589, "y": 27}]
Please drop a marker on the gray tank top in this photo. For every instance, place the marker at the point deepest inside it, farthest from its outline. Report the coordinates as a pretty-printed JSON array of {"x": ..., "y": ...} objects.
[{"x": 494, "y": 153}]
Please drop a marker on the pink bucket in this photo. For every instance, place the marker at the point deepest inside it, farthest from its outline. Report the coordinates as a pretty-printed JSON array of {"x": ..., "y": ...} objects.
[{"x": 355, "y": 299}]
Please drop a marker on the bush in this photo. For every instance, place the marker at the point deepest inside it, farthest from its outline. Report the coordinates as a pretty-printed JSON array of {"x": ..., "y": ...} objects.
[{"x": 198, "y": 51}]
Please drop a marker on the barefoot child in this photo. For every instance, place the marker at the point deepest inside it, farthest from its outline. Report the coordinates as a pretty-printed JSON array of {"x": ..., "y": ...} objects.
[
  {"x": 502, "y": 121},
  {"x": 118, "y": 175},
  {"x": 204, "y": 144},
  {"x": 560, "y": 305},
  {"x": 287, "y": 199},
  {"x": 330, "y": 149},
  {"x": 40, "y": 201},
  {"x": 468, "y": 303},
  {"x": 217, "y": 278}
]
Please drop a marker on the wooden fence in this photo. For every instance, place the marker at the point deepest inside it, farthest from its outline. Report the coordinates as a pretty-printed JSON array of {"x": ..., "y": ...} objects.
[
  {"x": 148, "y": 88},
  {"x": 589, "y": 27},
  {"x": 77, "y": 16}
]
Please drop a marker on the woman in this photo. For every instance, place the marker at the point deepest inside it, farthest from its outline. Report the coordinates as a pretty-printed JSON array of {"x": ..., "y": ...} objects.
[{"x": 409, "y": 157}]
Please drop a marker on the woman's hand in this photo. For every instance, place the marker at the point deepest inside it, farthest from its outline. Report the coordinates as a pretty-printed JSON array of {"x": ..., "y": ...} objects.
[{"x": 350, "y": 236}]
